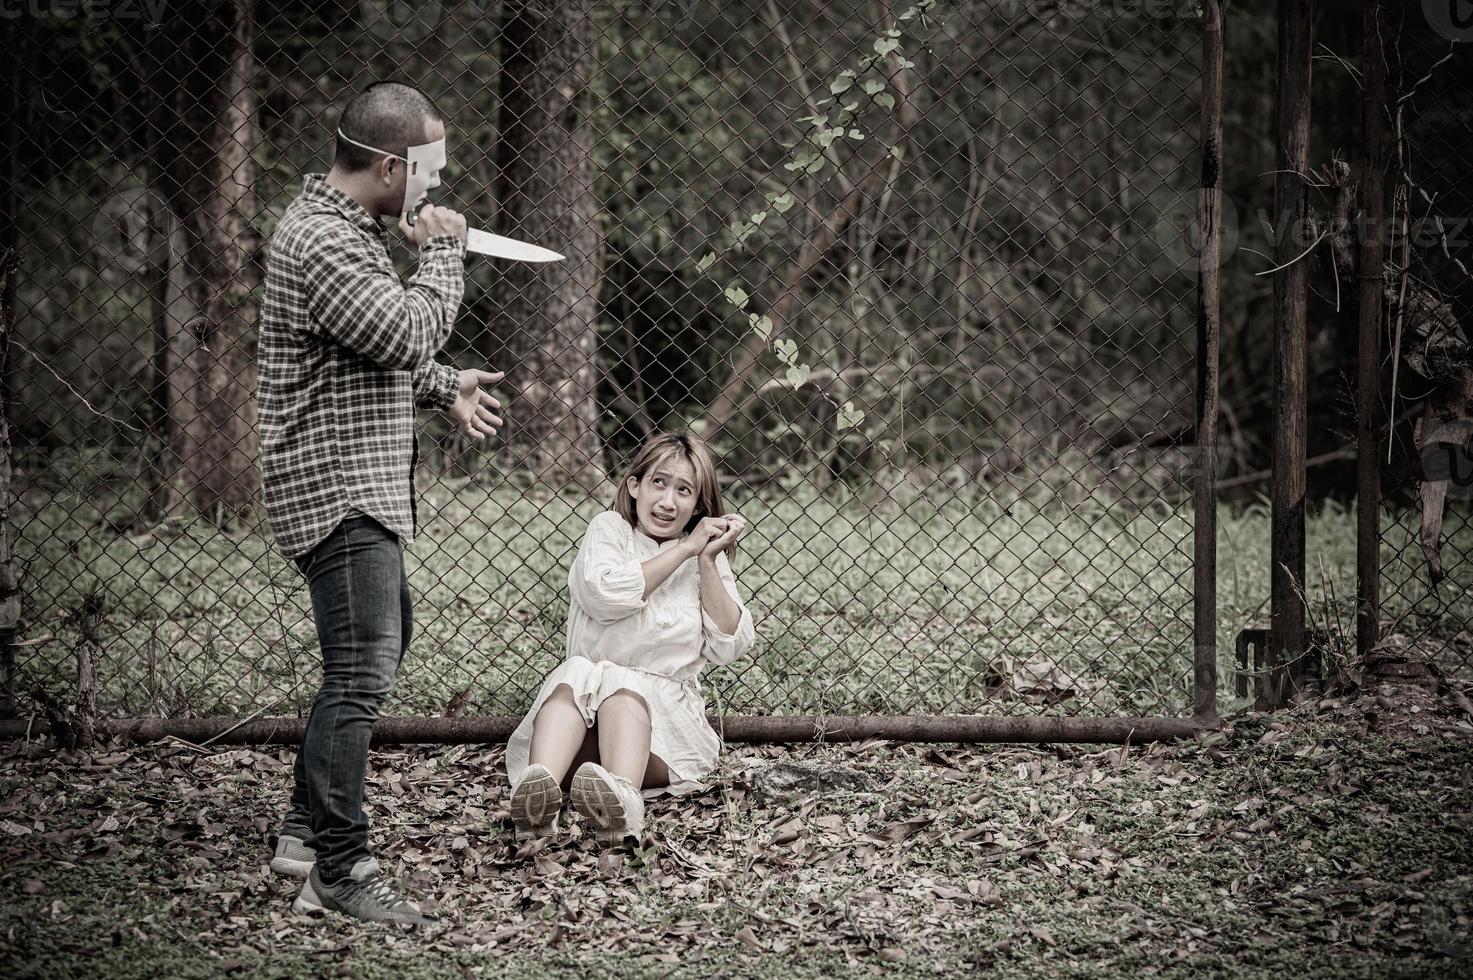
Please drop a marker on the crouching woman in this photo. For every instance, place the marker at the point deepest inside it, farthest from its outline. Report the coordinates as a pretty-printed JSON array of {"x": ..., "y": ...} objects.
[{"x": 652, "y": 601}]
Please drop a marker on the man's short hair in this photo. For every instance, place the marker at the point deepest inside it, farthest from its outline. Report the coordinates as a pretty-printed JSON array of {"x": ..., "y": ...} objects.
[{"x": 389, "y": 115}]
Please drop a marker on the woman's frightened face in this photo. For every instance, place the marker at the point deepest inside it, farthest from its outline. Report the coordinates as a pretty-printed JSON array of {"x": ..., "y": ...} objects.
[{"x": 665, "y": 498}]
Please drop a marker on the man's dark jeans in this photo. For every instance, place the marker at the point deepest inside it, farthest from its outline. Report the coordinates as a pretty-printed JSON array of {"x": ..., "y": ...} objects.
[{"x": 361, "y": 604}]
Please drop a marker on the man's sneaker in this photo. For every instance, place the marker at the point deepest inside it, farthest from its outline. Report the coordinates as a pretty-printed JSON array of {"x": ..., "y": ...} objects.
[
  {"x": 363, "y": 893},
  {"x": 536, "y": 800},
  {"x": 610, "y": 802},
  {"x": 293, "y": 857}
]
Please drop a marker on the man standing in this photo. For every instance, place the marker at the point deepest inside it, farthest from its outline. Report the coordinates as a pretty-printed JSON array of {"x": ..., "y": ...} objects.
[{"x": 346, "y": 353}]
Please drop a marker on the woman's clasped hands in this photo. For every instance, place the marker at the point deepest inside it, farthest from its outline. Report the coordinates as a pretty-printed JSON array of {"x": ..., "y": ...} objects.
[{"x": 713, "y": 535}]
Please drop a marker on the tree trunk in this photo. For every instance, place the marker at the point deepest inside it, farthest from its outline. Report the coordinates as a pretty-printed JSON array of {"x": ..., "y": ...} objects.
[
  {"x": 9, "y": 583},
  {"x": 158, "y": 263},
  {"x": 213, "y": 271},
  {"x": 14, "y": 38},
  {"x": 546, "y": 320}
]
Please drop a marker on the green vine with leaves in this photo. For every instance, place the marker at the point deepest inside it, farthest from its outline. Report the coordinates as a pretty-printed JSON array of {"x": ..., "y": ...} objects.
[{"x": 810, "y": 158}]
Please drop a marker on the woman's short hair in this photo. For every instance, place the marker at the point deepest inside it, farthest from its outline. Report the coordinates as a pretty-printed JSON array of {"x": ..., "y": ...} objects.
[{"x": 657, "y": 448}]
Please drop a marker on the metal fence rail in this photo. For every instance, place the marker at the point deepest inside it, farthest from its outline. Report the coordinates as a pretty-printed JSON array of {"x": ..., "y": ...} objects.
[{"x": 973, "y": 223}]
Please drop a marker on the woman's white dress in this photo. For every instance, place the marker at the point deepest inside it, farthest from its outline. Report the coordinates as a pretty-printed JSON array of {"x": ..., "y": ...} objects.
[{"x": 655, "y": 647}]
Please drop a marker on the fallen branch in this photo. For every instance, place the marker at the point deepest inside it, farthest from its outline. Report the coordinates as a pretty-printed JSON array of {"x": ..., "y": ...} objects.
[{"x": 1347, "y": 451}]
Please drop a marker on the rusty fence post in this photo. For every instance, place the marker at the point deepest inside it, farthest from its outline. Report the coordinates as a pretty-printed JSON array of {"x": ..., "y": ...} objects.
[
  {"x": 1291, "y": 293},
  {"x": 1368, "y": 371},
  {"x": 1209, "y": 318}
]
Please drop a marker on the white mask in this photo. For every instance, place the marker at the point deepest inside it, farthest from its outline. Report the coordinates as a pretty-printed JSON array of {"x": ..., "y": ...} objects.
[{"x": 424, "y": 162}]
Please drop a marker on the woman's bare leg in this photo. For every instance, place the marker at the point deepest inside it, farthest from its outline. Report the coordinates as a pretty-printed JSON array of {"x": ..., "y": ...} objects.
[
  {"x": 624, "y": 735},
  {"x": 656, "y": 773},
  {"x": 587, "y": 752},
  {"x": 558, "y": 733}
]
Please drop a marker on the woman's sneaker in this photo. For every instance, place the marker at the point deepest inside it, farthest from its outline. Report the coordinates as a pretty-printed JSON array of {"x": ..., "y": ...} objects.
[
  {"x": 293, "y": 857},
  {"x": 536, "y": 800},
  {"x": 363, "y": 893},
  {"x": 611, "y": 803}
]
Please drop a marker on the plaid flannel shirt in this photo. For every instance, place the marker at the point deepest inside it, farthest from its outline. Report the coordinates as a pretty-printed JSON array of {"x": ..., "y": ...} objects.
[{"x": 345, "y": 354}]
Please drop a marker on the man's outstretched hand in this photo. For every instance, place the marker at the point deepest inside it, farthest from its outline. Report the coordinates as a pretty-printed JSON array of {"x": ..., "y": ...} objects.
[{"x": 475, "y": 408}]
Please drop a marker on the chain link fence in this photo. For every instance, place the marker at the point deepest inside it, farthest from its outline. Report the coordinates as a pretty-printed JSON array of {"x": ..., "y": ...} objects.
[
  {"x": 923, "y": 275},
  {"x": 1426, "y": 587}
]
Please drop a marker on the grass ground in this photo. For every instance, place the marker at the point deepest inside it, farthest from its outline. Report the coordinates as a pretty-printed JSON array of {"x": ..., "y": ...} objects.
[
  {"x": 886, "y": 602},
  {"x": 1330, "y": 841}
]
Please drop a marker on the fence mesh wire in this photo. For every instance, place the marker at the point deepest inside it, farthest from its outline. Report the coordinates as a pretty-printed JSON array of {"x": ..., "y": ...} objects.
[
  {"x": 1000, "y": 281},
  {"x": 1427, "y": 518}
]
